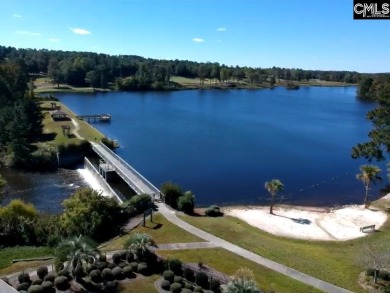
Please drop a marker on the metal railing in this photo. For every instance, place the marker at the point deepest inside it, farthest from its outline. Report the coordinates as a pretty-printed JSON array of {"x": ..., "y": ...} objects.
[
  {"x": 91, "y": 167},
  {"x": 127, "y": 166}
]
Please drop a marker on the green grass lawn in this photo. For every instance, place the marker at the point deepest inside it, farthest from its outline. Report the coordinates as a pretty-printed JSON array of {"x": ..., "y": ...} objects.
[
  {"x": 334, "y": 262},
  {"x": 20, "y": 252},
  {"x": 228, "y": 262},
  {"x": 54, "y": 127},
  {"x": 161, "y": 230},
  {"x": 187, "y": 81}
]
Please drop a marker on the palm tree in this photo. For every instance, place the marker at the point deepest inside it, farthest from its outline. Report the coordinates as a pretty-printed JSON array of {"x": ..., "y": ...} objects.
[
  {"x": 139, "y": 244},
  {"x": 369, "y": 173},
  {"x": 242, "y": 282},
  {"x": 76, "y": 252},
  {"x": 273, "y": 187}
]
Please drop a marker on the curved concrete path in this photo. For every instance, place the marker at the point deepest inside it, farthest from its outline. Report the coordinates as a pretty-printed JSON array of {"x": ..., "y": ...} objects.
[{"x": 304, "y": 278}]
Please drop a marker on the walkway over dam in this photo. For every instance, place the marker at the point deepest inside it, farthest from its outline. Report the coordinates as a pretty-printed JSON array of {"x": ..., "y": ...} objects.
[{"x": 112, "y": 162}]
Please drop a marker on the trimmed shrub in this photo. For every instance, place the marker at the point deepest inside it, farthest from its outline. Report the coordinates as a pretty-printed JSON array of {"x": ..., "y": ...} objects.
[
  {"x": 178, "y": 279},
  {"x": 215, "y": 286},
  {"x": 91, "y": 267},
  {"x": 118, "y": 273},
  {"x": 111, "y": 286},
  {"x": 24, "y": 278},
  {"x": 185, "y": 290},
  {"x": 79, "y": 272},
  {"x": 116, "y": 258},
  {"x": 140, "y": 202},
  {"x": 175, "y": 266},
  {"x": 143, "y": 268},
  {"x": 128, "y": 272},
  {"x": 122, "y": 264},
  {"x": 166, "y": 285},
  {"x": 129, "y": 257},
  {"x": 50, "y": 278},
  {"x": 101, "y": 265},
  {"x": 42, "y": 272},
  {"x": 213, "y": 211},
  {"x": 123, "y": 254},
  {"x": 47, "y": 285},
  {"x": 189, "y": 274},
  {"x": 384, "y": 275},
  {"x": 111, "y": 265},
  {"x": 186, "y": 203},
  {"x": 96, "y": 276},
  {"x": 176, "y": 288},
  {"x": 23, "y": 286},
  {"x": 103, "y": 257},
  {"x": 37, "y": 282},
  {"x": 62, "y": 283},
  {"x": 202, "y": 280},
  {"x": 172, "y": 192},
  {"x": 134, "y": 266},
  {"x": 65, "y": 273},
  {"x": 189, "y": 286},
  {"x": 169, "y": 276},
  {"x": 198, "y": 289},
  {"x": 107, "y": 275},
  {"x": 35, "y": 289}
]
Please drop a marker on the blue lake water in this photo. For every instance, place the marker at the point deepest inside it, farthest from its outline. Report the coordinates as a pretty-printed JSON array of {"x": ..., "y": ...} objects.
[{"x": 224, "y": 144}]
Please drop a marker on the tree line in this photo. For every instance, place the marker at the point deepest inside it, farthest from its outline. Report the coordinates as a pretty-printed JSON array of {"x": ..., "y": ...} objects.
[{"x": 130, "y": 72}]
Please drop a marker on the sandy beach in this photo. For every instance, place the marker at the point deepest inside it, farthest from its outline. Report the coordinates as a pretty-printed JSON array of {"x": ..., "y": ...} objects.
[{"x": 311, "y": 223}]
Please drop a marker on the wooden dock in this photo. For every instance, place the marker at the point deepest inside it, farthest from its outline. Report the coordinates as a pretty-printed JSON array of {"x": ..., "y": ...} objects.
[{"x": 95, "y": 118}]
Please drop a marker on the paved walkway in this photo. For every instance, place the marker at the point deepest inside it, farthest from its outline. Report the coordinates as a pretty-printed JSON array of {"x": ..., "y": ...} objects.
[
  {"x": 309, "y": 280},
  {"x": 192, "y": 245}
]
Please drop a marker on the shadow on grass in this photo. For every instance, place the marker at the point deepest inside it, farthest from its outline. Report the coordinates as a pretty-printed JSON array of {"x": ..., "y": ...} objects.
[{"x": 48, "y": 136}]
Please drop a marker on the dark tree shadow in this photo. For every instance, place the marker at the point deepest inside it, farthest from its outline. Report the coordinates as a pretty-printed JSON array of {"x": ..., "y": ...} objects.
[
  {"x": 298, "y": 221},
  {"x": 48, "y": 136}
]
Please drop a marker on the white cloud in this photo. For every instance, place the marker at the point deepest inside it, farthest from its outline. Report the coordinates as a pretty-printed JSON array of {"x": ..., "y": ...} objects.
[
  {"x": 16, "y": 15},
  {"x": 80, "y": 31},
  {"x": 198, "y": 40},
  {"x": 27, "y": 33},
  {"x": 221, "y": 29},
  {"x": 54, "y": 40}
]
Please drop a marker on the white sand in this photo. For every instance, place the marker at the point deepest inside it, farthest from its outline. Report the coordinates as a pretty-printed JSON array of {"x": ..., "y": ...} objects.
[{"x": 314, "y": 224}]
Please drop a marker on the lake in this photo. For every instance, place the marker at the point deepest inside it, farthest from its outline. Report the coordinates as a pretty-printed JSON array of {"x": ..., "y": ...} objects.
[{"x": 224, "y": 144}]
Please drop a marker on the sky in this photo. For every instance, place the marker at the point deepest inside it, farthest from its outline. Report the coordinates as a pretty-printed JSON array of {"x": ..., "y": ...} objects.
[{"x": 317, "y": 34}]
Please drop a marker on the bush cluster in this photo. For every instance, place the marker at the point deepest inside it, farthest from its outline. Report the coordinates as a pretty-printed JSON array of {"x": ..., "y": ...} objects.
[{"x": 213, "y": 211}]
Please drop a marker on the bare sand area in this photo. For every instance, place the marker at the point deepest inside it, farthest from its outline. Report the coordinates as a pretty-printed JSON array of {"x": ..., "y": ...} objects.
[{"x": 311, "y": 223}]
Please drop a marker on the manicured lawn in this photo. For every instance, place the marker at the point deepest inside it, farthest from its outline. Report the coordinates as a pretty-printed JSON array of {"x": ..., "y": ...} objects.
[
  {"x": 334, "y": 262},
  {"x": 20, "y": 252},
  {"x": 187, "y": 81},
  {"x": 54, "y": 127},
  {"x": 142, "y": 284},
  {"x": 228, "y": 262},
  {"x": 161, "y": 230}
]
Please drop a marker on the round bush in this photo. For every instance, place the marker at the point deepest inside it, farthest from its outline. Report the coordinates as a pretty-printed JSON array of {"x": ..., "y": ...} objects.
[
  {"x": 24, "y": 278},
  {"x": 47, "y": 285},
  {"x": 62, "y": 283},
  {"x": 166, "y": 285},
  {"x": 102, "y": 258},
  {"x": 78, "y": 272},
  {"x": 175, "y": 266},
  {"x": 37, "y": 282},
  {"x": 213, "y": 211},
  {"x": 370, "y": 272},
  {"x": 101, "y": 265},
  {"x": 22, "y": 291},
  {"x": 202, "y": 280},
  {"x": 111, "y": 265},
  {"x": 50, "y": 278},
  {"x": 176, "y": 288},
  {"x": 185, "y": 290},
  {"x": 128, "y": 272},
  {"x": 143, "y": 268},
  {"x": 189, "y": 274},
  {"x": 123, "y": 254},
  {"x": 42, "y": 272},
  {"x": 169, "y": 276},
  {"x": 198, "y": 289},
  {"x": 96, "y": 276},
  {"x": 118, "y": 273},
  {"x": 35, "y": 289},
  {"x": 122, "y": 264},
  {"x": 130, "y": 257},
  {"x": 91, "y": 267},
  {"x": 23, "y": 286},
  {"x": 116, "y": 258},
  {"x": 215, "y": 285},
  {"x": 189, "y": 286},
  {"x": 134, "y": 266},
  {"x": 107, "y": 275},
  {"x": 111, "y": 286},
  {"x": 178, "y": 279}
]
